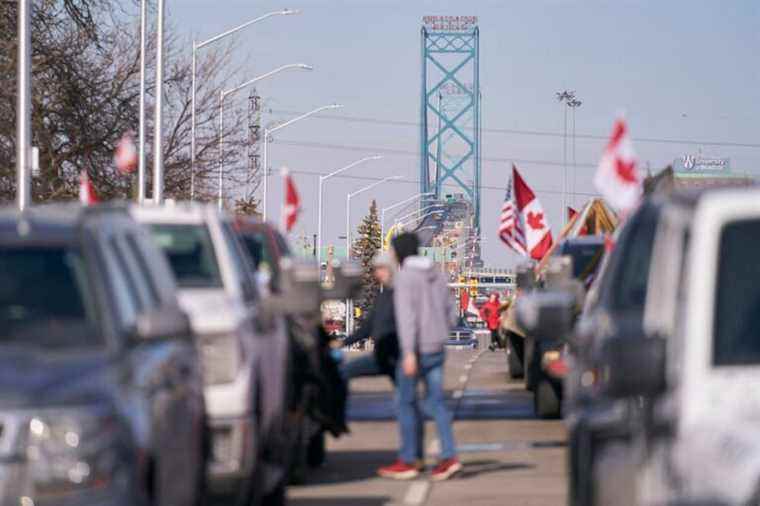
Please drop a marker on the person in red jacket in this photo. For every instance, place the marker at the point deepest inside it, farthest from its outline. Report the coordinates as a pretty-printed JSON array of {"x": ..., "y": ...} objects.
[{"x": 489, "y": 313}]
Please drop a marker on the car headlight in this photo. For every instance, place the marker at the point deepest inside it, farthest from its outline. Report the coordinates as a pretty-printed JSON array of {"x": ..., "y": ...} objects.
[
  {"x": 72, "y": 449},
  {"x": 221, "y": 356}
]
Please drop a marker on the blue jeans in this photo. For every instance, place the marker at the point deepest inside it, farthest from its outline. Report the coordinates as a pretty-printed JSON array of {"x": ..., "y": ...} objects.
[
  {"x": 430, "y": 371},
  {"x": 366, "y": 365}
]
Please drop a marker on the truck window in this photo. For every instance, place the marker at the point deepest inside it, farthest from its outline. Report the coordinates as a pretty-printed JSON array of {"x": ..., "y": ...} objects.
[
  {"x": 190, "y": 253},
  {"x": 736, "y": 330},
  {"x": 45, "y": 299},
  {"x": 630, "y": 286}
]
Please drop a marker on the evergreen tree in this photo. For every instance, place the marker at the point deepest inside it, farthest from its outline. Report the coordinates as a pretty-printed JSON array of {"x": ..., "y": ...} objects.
[{"x": 364, "y": 249}]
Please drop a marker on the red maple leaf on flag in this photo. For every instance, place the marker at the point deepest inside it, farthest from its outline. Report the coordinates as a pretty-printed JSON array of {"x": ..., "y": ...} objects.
[
  {"x": 626, "y": 171},
  {"x": 535, "y": 220}
]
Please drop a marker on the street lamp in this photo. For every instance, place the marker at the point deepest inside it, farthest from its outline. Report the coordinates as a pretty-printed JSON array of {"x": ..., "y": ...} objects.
[
  {"x": 418, "y": 218},
  {"x": 269, "y": 131},
  {"x": 225, "y": 94},
  {"x": 196, "y": 47},
  {"x": 349, "y": 305},
  {"x": 394, "y": 206},
  {"x": 322, "y": 180}
]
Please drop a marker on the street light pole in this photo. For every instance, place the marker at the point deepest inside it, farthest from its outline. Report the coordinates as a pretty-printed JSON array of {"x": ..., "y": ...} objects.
[
  {"x": 24, "y": 106},
  {"x": 322, "y": 180},
  {"x": 225, "y": 94},
  {"x": 141, "y": 135},
  {"x": 268, "y": 132},
  {"x": 158, "y": 152},
  {"x": 574, "y": 104},
  {"x": 196, "y": 47}
]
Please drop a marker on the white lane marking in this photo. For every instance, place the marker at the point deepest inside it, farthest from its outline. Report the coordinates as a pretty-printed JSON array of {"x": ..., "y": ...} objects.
[
  {"x": 417, "y": 493},
  {"x": 467, "y": 367},
  {"x": 463, "y": 378}
]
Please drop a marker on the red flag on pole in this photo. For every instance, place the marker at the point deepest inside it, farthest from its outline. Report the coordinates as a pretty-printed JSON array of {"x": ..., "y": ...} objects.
[
  {"x": 617, "y": 178},
  {"x": 292, "y": 204},
  {"x": 86, "y": 191},
  {"x": 125, "y": 156}
]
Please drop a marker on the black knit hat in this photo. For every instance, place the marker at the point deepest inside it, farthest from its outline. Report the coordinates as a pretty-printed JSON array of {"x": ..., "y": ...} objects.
[{"x": 405, "y": 245}]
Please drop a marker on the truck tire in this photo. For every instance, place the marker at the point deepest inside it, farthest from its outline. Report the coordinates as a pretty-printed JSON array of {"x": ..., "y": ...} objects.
[
  {"x": 515, "y": 368},
  {"x": 546, "y": 402}
]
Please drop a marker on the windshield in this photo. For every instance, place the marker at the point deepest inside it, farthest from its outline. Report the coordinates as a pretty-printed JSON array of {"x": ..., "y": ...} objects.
[
  {"x": 190, "y": 253},
  {"x": 45, "y": 299},
  {"x": 736, "y": 332}
]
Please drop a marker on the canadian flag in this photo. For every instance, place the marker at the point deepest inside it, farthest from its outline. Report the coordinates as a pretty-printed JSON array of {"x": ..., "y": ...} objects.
[
  {"x": 125, "y": 157},
  {"x": 86, "y": 191},
  {"x": 617, "y": 178},
  {"x": 292, "y": 204},
  {"x": 531, "y": 219}
]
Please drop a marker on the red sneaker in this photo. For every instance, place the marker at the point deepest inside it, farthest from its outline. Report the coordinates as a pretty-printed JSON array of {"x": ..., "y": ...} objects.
[
  {"x": 399, "y": 470},
  {"x": 446, "y": 469}
]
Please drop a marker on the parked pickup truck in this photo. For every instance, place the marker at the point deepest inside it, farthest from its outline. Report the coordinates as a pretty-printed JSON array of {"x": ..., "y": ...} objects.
[
  {"x": 694, "y": 367},
  {"x": 101, "y": 394},
  {"x": 243, "y": 351}
]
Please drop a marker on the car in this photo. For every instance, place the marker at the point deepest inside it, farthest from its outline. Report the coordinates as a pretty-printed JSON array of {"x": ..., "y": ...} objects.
[
  {"x": 101, "y": 388},
  {"x": 462, "y": 336},
  {"x": 595, "y": 421},
  {"x": 543, "y": 364},
  {"x": 318, "y": 393},
  {"x": 244, "y": 347},
  {"x": 695, "y": 371}
]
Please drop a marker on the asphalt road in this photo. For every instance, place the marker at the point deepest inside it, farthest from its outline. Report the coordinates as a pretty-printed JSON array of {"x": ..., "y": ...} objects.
[{"x": 509, "y": 457}]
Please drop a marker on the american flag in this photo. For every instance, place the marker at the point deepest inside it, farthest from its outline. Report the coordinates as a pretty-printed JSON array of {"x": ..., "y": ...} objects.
[{"x": 510, "y": 226}]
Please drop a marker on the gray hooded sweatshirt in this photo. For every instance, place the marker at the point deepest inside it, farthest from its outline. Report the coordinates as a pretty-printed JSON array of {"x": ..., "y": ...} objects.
[{"x": 424, "y": 308}]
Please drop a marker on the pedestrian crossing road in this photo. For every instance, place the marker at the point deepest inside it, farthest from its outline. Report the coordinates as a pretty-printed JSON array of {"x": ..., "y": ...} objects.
[{"x": 510, "y": 457}]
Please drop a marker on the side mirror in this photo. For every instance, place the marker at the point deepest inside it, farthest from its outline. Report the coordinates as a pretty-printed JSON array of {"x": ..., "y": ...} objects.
[
  {"x": 300, "y": 290},
  {"x": 546, "y": 315},
  {"x": 348, "y": 282},
  {"x": 633, "y": 366},
  {"x": 157, "y": 324}
]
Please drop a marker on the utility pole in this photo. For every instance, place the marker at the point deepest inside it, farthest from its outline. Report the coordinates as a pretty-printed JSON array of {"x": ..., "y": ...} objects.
[
  {"x": 254, "y": 139},
  {"x": 24, "y": 106}
]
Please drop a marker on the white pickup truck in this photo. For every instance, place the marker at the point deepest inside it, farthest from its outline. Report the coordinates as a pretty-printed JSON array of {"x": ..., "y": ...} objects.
[
  {"x": 217, "y": 289},
  {"x": 697, "y": 372}
]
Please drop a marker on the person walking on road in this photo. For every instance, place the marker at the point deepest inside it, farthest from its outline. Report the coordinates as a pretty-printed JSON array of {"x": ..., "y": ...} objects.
[
  {"x": 490, "y": 313},
  {"x": 380, "y": 324},
  {"x": 424, "y": 316}
]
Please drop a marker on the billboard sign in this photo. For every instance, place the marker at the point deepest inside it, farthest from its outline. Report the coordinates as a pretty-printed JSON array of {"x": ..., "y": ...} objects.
[{"x": 701, "y": 164}]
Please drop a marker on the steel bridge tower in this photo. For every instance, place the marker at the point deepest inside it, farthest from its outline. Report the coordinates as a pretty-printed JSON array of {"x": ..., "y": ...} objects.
[{"x": 450, "y": 124}]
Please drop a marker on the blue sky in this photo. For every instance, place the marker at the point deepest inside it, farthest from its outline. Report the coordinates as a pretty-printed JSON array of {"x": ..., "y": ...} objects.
[{"x": 680, "y": 70}]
